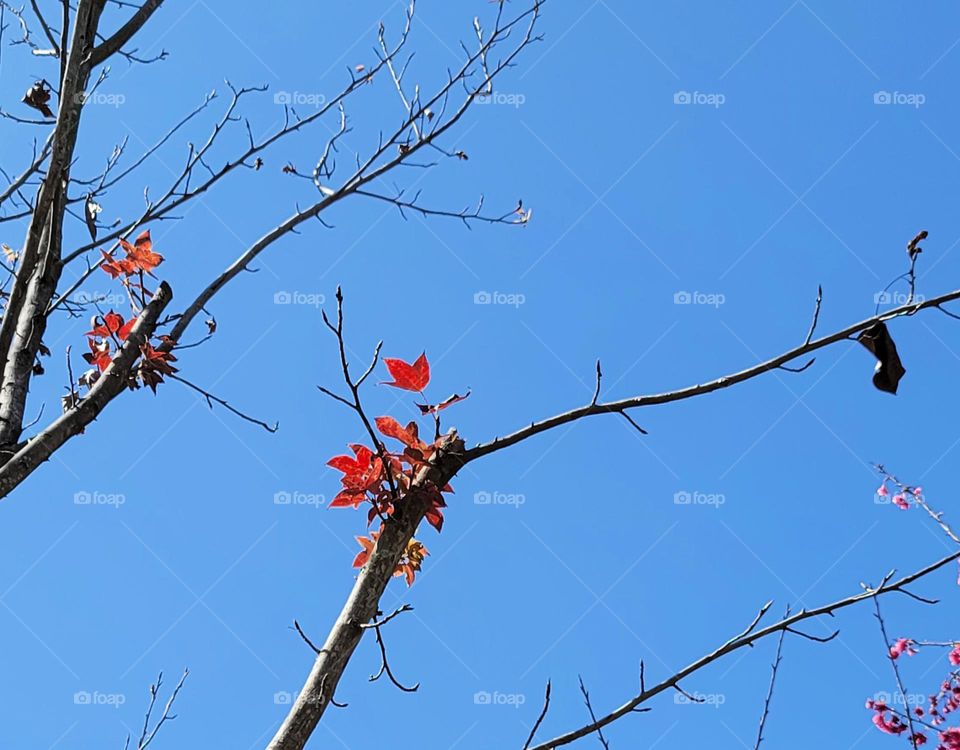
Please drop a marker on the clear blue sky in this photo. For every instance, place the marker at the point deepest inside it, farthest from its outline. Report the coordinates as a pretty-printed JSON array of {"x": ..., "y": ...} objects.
[{"x": 783, "y": 174}]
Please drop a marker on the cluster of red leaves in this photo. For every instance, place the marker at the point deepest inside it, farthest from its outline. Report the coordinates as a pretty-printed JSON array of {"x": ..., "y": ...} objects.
[
  {"x": 155, "y": 363},
  {"x": 140, "y": 258},
  {"x": 111, "y": 327},
  {"x": 383, "y": 478},
  {"x": 107, "y": 336},
  {"x": 409, "y": 564},
  {"x": 108, "y": 332}
]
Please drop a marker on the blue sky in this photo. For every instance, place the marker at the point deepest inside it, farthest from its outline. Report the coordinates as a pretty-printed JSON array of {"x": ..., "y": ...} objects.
[{"x": 785, "y": 170}]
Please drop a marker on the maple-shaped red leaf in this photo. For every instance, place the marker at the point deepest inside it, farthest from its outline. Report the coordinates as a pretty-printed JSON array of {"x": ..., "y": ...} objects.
[
  {"x": 141, "y": 254},
  {"x": 112, "y": 323},
  {"x": 449, "y": 401},
  {"x": 158, "y": 358},
  {"x": 356, "y": 464},
  {"x": 362, "y": 473},
  {"x": 364, "y": 554},
  {"x": 407, "y": 435},
  {"x": 99, "y": 354},
  {"x": 409, "y": 377},
  {"x": 116, "y": 267},
  {"x": 154, "y": 365}
]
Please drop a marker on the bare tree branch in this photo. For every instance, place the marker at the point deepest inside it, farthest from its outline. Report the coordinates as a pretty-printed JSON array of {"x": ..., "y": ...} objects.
[
  {"x": 748, "y": 638},
  {"x": 111, "y": 384},
  {"x": 726, "y": 381},
  {"x": 124, "y": 34}
]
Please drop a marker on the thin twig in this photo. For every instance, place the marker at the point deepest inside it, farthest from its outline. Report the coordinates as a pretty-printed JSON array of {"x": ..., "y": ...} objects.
[
  {"x": 773, "y": 681},
  {"x": 593, "y": 716},
  {"x": 540, "y": 718},
  {"x": 210, "y": 398}
]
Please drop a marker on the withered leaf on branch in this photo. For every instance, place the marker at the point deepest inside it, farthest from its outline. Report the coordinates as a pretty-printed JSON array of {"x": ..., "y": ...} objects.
[
  {"x": 90, "y": 211},
  {"x": 38, "y": 97},
  {"x": 913, "y": 247},
  {"x": 880, "y": 344}
]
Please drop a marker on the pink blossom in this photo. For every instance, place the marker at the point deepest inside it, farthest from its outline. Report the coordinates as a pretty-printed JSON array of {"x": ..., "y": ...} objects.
[
  {"x": 891, "y": 725},
  {"x": 950, "y": 739},
  {"x": 955, "y": 655},
  {"x": 917, "y": 491},
  {"x": 883, "y": 491},
  {"x": 901, "y": 646},
  {"x": 900, "y": 500}
]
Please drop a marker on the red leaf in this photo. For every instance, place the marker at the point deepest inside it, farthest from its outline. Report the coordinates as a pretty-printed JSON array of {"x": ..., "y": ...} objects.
[
  {"x": 154, "y": 365},
  {"x": 409, "y": 377},
  {"x": 348, "y": 498},
  {"x": 434, "y": 517},
  {"x": 346, "y": 464},
  {"x": 99, "y": 354},
  {"x": 112, "y": 323},
  {"x": 407, "y": 435},
  {"x": 141, "y": 254},
  {"x": 140, "y": 257},
  {"x": 363, "y": 555},
  {"x": 116, "y": 268}
]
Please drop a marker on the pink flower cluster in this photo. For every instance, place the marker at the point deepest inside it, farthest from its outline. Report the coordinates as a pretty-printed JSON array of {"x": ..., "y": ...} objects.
[
  {"x": 941, "y": 705},
  {"x": 902, "y": 497},
  {"x": 903, "y": 646}
]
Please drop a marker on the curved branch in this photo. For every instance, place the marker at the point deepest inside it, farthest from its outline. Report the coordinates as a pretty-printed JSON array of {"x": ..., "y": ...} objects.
[
  {"x": 738, "y": 642},
  {"x": 110, "y": 385},
  {"x": 124, "y": 34},
  {"x": 367, "y": 172},
  {"x": 363, "y": 603},
  {"x": 618, "y": 407}
]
